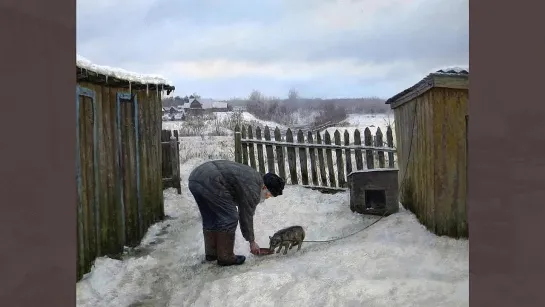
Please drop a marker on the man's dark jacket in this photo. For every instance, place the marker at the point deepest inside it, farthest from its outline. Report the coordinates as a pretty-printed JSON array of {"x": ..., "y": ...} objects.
[{"x": 219, "y": 187}]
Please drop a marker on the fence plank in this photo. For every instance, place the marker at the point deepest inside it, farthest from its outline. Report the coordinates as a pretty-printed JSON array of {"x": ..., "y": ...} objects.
[
  {"x": 174, "y": 154},
  {"x": 88, "y": 178},
  {"x": 291, "y": 158},
  {"x": 312, "y": 155},
  {"x": 270, "y": 152},
  {"x": 390, "y": 143},
  {"x": 303, "y": 158},
  {"x": 380, "y": 153},
  {"x": 340, "y": 163},
  {"x": 260, "y": 159},
  {"x": 321, "y": 159},
  {"x": 251, "y": 148},
  {"x": 348, "y": 153},
  {"x": 357, "y": 152},
  {"x": 165, "y": 156},
  {"x": 244, "y": 146},
  {"x": 176, "y": 160},
  {"x": 329, "y": 159},
  {"x": 280, "y": 155},
  {"x": 238, "y": 144},
  {"x": 368, "y": 139}
]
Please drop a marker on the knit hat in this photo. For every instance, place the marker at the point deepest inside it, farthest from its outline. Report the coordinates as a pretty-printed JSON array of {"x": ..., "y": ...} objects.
[{"x": 274, "y": 184}]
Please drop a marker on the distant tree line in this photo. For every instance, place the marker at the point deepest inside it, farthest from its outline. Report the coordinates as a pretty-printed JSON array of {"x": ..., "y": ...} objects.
[{"x": 284, "y": 110}]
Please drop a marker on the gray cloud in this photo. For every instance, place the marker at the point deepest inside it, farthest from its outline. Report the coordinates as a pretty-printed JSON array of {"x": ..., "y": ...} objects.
[{"x": 418, "y": 34}]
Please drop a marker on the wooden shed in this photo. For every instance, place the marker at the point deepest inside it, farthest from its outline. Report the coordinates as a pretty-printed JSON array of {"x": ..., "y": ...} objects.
[
  {"x": 431, "y": 135},
  {"x": 118, "y": 158}
]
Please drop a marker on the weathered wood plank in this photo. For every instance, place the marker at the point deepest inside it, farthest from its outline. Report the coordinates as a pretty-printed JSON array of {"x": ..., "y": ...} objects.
[
  {"x": 323, "y": 174},
  {"x": 280, "y": 155},
  {"x": 357, "y": 152},
  {"x": 292, "y": 162},
  {"x": 244, "y": 146},
  {"x": 270, "y": 152},
  {"x": 369, "y": 158},
  {"x": 390, "y": 144},
  {"x": 312, "y": 155},
  {"x": 329, "y": 159},
  {"x": 347, "y": 153},
  {"x": 130, "y": 200},
  {"x": 251, "y": 148},
  {"x": 339, "y": 158},
  {"x": 303, "y": 158},
  {"x": 260, "y": 158},
  {"x": 238, "y": 144},
  {"x": 380, "y": 153}
]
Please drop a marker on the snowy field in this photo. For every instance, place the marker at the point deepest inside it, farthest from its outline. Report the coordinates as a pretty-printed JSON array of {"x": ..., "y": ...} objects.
[{"x": 396, "y": 262}]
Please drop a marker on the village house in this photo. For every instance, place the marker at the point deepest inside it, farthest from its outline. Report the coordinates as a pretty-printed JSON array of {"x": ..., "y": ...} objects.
[{"x": 199, "y": 106}]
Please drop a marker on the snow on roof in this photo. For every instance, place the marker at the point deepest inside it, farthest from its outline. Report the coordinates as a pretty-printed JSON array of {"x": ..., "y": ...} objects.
[
  {"x": 212, "y": 104},
  {"x": 122, "y": 74},
  {"x": 448, "y": 71},
  {"x": 454, "y": 70}
]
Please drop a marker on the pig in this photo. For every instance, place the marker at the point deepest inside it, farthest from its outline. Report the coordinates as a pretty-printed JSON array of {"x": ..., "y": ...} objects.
[{"x": 287, "y": 238}]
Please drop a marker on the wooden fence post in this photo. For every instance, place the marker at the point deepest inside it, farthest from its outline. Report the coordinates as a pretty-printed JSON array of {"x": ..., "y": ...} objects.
[
  {"x": 357, "y": 153},
  {"x": 303, "y": 158},
  {"x": 380, "y": 153},
  {"x": 329, "y": 159},
  {"x": 339, "y": 158},
  {"x": 244, "y": 146},
  {"x": 269, "y": 150},
  {"x": 175, "y": 163},
  {"x": 292, "y": 163},
  {"x": 261, "y": 160},
  {"x": 368, "y": 140},
  {"x": 176, "y": 159},
  {"x": 321, "y": 161},
  {"x": 280, "y": 154},
  {"x": 238, "y": 144},
  {"x": 348, "y": 153},
  {"x": 251, "y": 148},
  {"x": 311, "y": 153},
  {"x": 390, "y": 142}
]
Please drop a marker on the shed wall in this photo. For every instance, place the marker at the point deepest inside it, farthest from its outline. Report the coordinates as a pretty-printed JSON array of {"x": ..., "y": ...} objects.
[
  {"x": 414, "y": 131},
  {"x": 128, "y": 196},
  {"x": 433, "y": 180},
  {"x": 450, "y": 159}
]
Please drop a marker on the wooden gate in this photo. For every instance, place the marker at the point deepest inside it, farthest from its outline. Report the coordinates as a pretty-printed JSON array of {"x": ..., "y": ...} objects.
[{"x": 170, "y": 163}]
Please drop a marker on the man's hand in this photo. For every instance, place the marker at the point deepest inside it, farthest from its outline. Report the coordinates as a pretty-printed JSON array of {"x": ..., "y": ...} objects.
[{"x": 254, "y": 248}]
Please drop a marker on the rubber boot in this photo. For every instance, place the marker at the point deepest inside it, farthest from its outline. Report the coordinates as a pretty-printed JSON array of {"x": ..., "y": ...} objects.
[
  {"x": 210, "y": 245},
  {"x": 225, "y": 245}
]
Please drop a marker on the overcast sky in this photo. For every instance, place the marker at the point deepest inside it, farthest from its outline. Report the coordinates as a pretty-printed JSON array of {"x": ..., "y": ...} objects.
[{"x": 323, "y": 48}]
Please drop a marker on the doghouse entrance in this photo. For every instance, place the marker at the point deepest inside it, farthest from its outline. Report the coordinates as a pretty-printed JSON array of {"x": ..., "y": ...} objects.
[{"x": 375, "y": 199}]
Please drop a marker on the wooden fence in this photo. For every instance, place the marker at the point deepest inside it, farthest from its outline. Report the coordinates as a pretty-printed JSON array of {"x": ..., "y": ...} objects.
[
  {"x": 170, "y": 164},
  {"x": 313, "y": 170}
]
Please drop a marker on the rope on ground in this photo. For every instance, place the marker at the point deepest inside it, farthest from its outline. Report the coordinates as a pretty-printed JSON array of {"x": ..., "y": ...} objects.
[{"x": 399, "y": 191}]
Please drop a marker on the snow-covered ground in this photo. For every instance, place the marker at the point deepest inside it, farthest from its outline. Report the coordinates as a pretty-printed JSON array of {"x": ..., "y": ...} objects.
[
  {"x": 396, "y": 262},
  {"x": 362, "y": 121},
  {"x": 220, "y": 121}
]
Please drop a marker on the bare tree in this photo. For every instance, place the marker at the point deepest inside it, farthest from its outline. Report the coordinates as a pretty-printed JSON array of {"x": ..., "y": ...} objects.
[
  {"x": 256, "y": 96},
  {"x": 293, "y": 95}
]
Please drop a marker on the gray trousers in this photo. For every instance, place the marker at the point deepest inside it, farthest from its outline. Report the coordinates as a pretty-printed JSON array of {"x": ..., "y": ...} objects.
[{"x": 218, "y": 213}]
